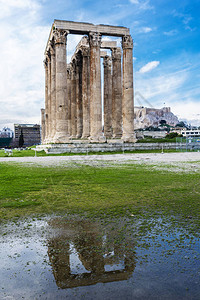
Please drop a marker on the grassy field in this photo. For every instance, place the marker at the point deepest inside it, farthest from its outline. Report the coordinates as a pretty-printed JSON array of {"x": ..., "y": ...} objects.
[
  {"x": 30, "y": 152},
  {"x": 115, "y": 191}
]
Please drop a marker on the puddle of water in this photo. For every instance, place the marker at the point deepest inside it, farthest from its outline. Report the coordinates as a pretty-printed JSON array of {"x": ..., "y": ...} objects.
[{"x": 60, "y": 258}]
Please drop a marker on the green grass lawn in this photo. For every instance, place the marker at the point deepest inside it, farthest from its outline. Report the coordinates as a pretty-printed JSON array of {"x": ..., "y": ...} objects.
[
  {"x": 21, "y": 153},
  {"x": 30, "y": 152},
  {"x": 115, "y": 191}
]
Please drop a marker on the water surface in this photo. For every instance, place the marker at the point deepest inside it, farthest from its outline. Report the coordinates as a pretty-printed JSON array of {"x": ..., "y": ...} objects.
[{"x": 77, "y": 258}]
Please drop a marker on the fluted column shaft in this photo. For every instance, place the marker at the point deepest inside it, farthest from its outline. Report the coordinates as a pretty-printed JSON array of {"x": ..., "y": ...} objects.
[
  {"x": 127, "y": 100},
  {"x": 46, "y": 99},
  {"x": 53, "y": 94},
  {"x": 79, "y": 98},
  {"x": 49, "y": 99},
  {"x": 62, "y": 134},
  {"x": 107, "y": 97},
  {"x": 116, "y": 93},
  {"x": 95, "y": 88},
  {"x": 43, "y": 125},
  {"x": 73, "y": 100},
  {"x": 86, "y": 93},
  {"x": 69, "y": 97}
]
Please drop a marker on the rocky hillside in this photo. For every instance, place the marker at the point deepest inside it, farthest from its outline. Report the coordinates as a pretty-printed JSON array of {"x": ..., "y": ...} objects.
[{"x": 145, "y": 117}]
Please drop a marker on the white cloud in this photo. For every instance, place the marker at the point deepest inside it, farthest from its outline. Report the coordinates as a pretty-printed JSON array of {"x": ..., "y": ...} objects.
[
  {"x": 22, "y": 54},
  {"x": 171, "y": 32},
  {"x": 134, "y": 1},
  {"x": 188, "y": 110},
  {"x": 150, "y": 66},
  {"x": 173, "y": 85},
  {"x": 143, "y": 5},
  {"x": 185, "y": 18},
  {"x": 10, "y": 7},
  {"x": 145, "y": 29}
]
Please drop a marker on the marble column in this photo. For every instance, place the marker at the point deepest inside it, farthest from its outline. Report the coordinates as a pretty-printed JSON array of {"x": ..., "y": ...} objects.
[
  {"x": 52, "y": 130},
  {"x": 49, "y": 99},
  {"x": 96, "y": 134},
  {"x": 86, "y": 92},
  {"x": 62, "y": 135},
  {"x": 42, "y": 125},
  {"x": 127, "y": 99},
  {"x": 116, "y": 93},
  {"x": 69, "y": 97},
  {"x": 73, "y": 99},
  {"x": 46, "y": 99},
  {"x": 107, "y": 63},
  {"x": 79, "y": 108}
]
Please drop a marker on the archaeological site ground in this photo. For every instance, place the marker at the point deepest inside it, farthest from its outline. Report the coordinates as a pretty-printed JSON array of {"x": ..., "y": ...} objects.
[{"x": 91, "y": 226}]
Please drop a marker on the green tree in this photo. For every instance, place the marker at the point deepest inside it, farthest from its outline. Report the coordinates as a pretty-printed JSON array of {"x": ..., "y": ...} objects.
[
  {"x": 182, "y": 124},
  {"x": 21, "y": 139},
  {"x": 172, "y": 135}
]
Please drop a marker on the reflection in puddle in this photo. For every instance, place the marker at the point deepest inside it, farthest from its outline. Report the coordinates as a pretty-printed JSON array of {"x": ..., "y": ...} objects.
[
  {"x": 65, "y": 258},
  {"x": 80, "y": 255}
]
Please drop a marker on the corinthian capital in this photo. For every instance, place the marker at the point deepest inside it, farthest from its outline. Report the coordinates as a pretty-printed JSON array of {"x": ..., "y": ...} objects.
[
  {"x": 127, "y": 42},
  {"x": 60, "y": 36},
  {"x": 95, "y": 39},
  {"x": 85, "y": 50},
  {"x": 116, "y": 53}
]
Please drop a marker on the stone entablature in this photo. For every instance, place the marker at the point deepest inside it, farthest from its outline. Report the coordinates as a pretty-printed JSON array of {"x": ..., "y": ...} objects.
[{"x": 73, "y": 100}]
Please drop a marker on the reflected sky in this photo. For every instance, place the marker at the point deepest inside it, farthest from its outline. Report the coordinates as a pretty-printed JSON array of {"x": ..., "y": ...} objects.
[{"x": 69, "y": 258}]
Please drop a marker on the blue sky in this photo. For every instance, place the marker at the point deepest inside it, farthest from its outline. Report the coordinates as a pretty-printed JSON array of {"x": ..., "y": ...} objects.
[{"x": 166, "y": 51}]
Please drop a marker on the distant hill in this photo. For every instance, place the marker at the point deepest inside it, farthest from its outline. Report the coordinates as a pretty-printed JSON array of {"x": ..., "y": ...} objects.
[{"x": 145, "y": 117}]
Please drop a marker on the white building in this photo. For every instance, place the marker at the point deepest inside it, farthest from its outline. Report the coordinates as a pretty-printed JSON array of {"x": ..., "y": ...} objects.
[
  {"x": 6, "y": 133},
  {"x": 186, "y": 132}
]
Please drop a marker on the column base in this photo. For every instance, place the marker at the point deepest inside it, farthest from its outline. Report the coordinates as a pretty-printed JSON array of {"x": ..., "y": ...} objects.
[
  {"x": 129, "y": 138},
  {"x": 47, "y": 141},
  {"x": 60, "y": 138},
  {"x": 94, "y": 139},
  {"x": 85, "y": 137},
  {"x": 51, "y": 139},
  {"x": 108, "y": 135},
  {"x": 78, "y": 136},
  {"x": 117, "y": 136}
]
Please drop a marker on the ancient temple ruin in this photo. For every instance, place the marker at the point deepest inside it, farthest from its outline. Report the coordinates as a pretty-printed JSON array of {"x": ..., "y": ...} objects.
[{"x": 74, "y": 106}]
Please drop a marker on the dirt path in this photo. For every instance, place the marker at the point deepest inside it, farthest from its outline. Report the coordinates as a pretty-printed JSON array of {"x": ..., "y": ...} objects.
[{"x": 165, "y": 158}]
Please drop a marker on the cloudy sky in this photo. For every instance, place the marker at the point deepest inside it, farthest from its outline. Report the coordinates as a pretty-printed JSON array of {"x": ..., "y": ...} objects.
[{"x": 166, "y": 58}]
